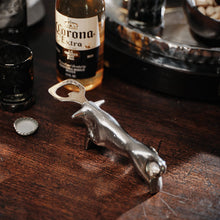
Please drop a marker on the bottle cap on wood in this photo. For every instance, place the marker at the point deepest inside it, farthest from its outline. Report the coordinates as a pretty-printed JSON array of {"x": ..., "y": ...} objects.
[{"x": 25, "y": 126}]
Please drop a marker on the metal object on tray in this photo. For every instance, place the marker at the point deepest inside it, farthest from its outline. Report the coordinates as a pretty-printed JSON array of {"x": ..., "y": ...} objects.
[
  {"x": 104, "y": 130},
  {"x": 173, "y": 60}
]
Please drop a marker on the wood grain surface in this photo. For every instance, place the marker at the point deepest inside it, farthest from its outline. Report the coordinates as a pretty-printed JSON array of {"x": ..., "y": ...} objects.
[{"x": 50, "y": 175}]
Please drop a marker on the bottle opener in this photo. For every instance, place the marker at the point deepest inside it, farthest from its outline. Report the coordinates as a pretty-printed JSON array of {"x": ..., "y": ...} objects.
[{"x": 104, "y": 130}]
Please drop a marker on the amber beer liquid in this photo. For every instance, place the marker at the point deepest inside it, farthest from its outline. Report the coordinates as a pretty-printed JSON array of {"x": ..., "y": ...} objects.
[{"x": 80, "y": 41}]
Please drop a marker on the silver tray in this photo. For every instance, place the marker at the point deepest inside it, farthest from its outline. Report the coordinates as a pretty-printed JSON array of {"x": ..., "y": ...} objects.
[
  {"x": 174, "y": 47},
  {"x": 172, "y": 61}
]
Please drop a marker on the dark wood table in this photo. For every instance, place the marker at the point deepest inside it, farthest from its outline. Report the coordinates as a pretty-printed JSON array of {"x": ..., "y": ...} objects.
[{"x": 49, "y": 175}]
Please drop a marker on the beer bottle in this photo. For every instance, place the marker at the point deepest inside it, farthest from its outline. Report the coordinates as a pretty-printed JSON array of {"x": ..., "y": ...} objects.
[{"x": 80, "y": 41}]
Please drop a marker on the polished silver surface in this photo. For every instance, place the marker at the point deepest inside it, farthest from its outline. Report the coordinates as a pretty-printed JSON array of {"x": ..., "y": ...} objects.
[
  {"x": 104, "y": 130},
  {"x": 173, "y": 46}
]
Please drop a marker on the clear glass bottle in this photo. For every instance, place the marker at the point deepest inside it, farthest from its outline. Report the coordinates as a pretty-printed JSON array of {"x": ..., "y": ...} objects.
[{"x": 80, "y": 36}]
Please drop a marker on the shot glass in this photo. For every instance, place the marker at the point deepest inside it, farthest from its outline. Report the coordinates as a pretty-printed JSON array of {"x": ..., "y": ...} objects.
[
  {"x": 146, "y": 13},
  {"x": 16, "y": 77}
]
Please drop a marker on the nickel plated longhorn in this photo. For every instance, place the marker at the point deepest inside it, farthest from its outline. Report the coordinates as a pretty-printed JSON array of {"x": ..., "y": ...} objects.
[{"x": 104, "y": 130}]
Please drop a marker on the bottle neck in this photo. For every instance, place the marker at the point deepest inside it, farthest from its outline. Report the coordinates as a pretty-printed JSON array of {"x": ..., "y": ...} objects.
[{"x": 80, "y": 8}]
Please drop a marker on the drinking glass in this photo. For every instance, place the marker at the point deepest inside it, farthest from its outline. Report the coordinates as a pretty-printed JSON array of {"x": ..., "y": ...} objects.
[
  {"x": 16, "y": 77},
  {"x": 13, "y": 20},
  {"x": 146, "y": 13}
]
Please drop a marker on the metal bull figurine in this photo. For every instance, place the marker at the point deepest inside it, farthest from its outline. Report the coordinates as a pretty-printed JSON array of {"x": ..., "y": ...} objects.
[{"x": 104, "y": 130}]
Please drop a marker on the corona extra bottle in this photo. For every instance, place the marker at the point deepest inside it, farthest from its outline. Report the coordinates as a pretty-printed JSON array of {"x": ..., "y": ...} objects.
[{"x": 80, "y": 41}]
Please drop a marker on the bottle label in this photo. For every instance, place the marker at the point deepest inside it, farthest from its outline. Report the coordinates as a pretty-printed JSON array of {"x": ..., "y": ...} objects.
[
  {"x": 77, "y": 33},
  {"x": 78, "y": 42}
]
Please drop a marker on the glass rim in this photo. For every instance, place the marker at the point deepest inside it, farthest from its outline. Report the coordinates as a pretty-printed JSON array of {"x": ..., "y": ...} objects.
[{"x": 11, "y": 65}]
